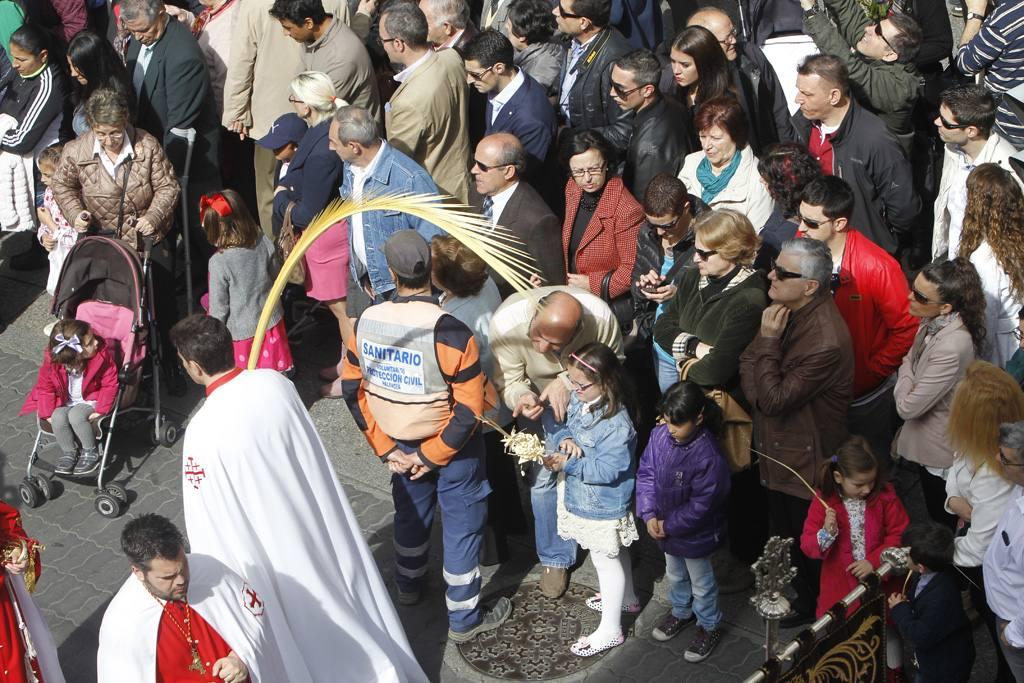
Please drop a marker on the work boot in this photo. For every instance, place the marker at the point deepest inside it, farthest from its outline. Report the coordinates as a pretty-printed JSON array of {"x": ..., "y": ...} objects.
[
  {"x": 553, "y": 582},
  {"x": 492, "y": 620},
  {"x": 88, "y": 462},
  {"x": 32, "y": 258},
  {"x": 66, "y": 463}
]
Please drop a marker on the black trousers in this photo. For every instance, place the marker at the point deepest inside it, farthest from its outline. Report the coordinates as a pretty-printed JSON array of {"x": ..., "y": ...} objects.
[
  {"x": 973, "y": 579},
  {"x": 786, "y": 515},
  {"x": 504, "y": 506},
  {"x": 934, "y": 490}
]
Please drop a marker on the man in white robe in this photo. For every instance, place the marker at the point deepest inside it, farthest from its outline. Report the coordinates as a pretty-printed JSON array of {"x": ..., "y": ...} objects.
[
  {"x": 174, "y": 606},
  {"x": 260, "y": 495}
]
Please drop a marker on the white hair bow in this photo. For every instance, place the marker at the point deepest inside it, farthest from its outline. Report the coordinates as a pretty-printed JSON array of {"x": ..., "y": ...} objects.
[{"x": 74, "y": 343}]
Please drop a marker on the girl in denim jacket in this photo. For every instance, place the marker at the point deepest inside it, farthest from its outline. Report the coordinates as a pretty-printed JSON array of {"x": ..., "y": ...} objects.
[{"x": 594, "y": 451}]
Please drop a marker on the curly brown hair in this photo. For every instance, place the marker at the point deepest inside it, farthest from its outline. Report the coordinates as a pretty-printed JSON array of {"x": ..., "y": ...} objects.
[{"x": 995, "y": 213}]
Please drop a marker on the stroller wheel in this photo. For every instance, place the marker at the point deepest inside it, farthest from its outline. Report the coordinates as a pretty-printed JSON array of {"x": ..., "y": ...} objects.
[
  {"x": 30, "y": 494},
  {"x": 118, "y": 491},
  {"x": 108, "y": 506},
  {"x": 168, "y": 434},
  {"x": 46, "y": 486}
]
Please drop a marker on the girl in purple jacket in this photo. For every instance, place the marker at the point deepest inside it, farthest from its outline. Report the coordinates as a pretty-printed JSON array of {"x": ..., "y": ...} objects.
[{"x": 681, "y": 490}]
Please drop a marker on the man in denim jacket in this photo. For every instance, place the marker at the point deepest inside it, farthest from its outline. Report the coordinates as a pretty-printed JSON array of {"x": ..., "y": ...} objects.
[{"x": 373, "y": 168}]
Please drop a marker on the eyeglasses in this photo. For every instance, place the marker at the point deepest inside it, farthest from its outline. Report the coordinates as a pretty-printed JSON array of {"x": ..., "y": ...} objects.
[
  {"x": 623, "y": 91},
  {"x": 1006, "y": 463},
  {"x": 704, "y": 254},
  {"x": 382, "y": 40},
  {"x": 295, "y": 100},
  {"x": 113, "y": 137},
  {"x": 567, "y": 15},
  {"x": 585, "y": 172},
  {"x": 922, "y": 299},
  {"x": 580, "y": 387},
  {"x": 485, "y": 168},
  {"x": 949, "y": 125},
  {"x": 813, "y": 224},
  {"x": 729, "y": 37},
  {"x": 783, "y": 274},
  {"x": 1016, "y": 333},
  {"x": 878, "y": 32},
  {"x": 478, "y": 75}
]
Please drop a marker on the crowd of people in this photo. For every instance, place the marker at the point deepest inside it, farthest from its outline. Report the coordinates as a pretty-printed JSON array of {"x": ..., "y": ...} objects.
[{"x": 778, "y": 254}]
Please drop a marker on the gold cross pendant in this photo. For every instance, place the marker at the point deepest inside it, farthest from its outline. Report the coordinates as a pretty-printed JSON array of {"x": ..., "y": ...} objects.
[{"x": 197, "y": 663}]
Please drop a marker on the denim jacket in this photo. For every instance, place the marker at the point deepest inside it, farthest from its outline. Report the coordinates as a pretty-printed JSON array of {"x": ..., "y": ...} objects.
[
  {"x": 598, "y": 485},
  {"x": 395, "y": 173}
]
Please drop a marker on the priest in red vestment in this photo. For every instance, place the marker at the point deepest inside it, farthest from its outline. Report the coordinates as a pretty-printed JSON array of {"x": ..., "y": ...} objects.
[
  {"x": 27, "y": 651},
  {"x": 183, "y": 618}
]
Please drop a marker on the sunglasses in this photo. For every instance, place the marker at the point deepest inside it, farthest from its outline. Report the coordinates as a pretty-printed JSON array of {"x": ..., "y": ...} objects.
[
  {"x": 623, "y": 91},
  {"x": 813, "y": 224},
  {"x": 878, "y": 32},
  {"x": 704, "y": 254},
  {"x": 783, "y": 274},
  {"x": 663, "y": 226},
  {"x": 567, "y": 15},
  {"x": 485, "y": 168},
  {"x": 949, "y": 125},
  {"x": 478, "y": 75},
  {"x": 922, "y": 299}
]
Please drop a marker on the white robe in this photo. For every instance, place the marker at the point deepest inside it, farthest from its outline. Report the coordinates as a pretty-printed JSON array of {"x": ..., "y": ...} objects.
[
  {"x": 260, "y": 494},
  {"x": 128, "y": 634},
  {"x": 42, "y": 639}
]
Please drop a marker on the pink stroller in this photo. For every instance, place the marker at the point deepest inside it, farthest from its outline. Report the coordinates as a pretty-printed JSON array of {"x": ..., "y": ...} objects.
[{"x": 104, "y": 283}]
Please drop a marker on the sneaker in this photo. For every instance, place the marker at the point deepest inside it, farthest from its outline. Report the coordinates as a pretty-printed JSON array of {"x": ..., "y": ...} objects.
[
  {"x": 703, "y": 644},
  {"x": 553, "y": 582},
  {"x": 409, "y": 598},
  {"x": 66, "y": 463},
  {"x": 88, "y": 462},
  {"x": 492, "y": 620},
  {"x": 670, "y": 627}
]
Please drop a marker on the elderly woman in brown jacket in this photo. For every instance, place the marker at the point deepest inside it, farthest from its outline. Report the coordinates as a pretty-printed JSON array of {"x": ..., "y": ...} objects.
[{"x": 115, "y": 180}]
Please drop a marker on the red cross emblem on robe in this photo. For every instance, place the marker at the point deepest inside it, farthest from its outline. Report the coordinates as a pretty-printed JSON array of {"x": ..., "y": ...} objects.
[
  {"x": 251, "y": 600},
  {"x": 194, "y": 474}
]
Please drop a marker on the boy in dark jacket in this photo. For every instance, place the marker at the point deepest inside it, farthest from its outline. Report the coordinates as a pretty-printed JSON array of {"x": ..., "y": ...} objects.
[{"x": 932, "y": 615}]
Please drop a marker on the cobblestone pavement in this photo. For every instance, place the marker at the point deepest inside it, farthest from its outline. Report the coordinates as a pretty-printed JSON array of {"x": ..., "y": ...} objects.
[{"x": 83, "y": 566}]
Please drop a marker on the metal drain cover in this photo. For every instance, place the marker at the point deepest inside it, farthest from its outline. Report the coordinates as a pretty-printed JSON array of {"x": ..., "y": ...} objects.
[{"x": 533, "y": 645}]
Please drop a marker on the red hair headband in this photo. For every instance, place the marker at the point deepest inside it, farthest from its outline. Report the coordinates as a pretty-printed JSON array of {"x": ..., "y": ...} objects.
[
  {"x": 217, "y": 202},
  {"x": 584, "y": 363}
]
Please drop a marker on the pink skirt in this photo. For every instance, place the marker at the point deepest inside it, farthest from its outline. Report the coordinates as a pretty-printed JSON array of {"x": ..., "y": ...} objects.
[
  {"x": 275, "y": 354},
  {"x": 327, "y": 264}
]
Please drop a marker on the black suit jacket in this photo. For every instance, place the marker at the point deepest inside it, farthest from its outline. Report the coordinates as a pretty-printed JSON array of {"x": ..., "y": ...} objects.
[
  {"x": 176, "y": 93},
  {"x": 934, "y": 621},
  {"x": 590, "y": 102},
  {"x": 529, "y": 218},
  {"x": 530, "y": 117}
]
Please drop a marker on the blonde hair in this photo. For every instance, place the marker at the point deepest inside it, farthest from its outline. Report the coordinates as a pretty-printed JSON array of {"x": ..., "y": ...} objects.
[
  {"x": 316, "y": 91},
  {"x": 985, "y": 398},
  {"x": 730, "y": 233}
]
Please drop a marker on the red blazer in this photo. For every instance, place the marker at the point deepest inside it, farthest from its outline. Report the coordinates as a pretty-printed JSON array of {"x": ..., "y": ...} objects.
[
  {"x": 51, "y": 390},
  {"x": 873, "y": 300},
  {"x": 609, "y": 242},
  {"x": 884, "y": 523}
]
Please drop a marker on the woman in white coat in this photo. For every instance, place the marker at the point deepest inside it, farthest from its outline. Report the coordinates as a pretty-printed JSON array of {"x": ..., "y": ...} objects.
[
  {"x": 724, "y": 173},
  {"x": 977, "y": 489},
  {"x": 993, "y": 239}
]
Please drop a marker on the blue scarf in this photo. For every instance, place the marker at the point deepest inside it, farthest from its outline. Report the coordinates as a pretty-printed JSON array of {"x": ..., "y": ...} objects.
[{"x": 713, "y": 184}]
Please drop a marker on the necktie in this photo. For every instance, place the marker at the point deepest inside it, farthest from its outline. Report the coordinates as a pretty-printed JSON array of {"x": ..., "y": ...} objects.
[{"x": 489, "y": 209}]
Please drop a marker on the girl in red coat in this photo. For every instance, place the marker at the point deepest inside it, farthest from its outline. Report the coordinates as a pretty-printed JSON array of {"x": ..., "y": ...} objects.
[
  {"x": 864, "y": 517},
  {"x": 77, "y": 385}
]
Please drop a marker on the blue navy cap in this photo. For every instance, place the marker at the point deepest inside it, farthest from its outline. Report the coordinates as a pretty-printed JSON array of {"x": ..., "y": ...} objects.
[{"x": 287, "y": 128}]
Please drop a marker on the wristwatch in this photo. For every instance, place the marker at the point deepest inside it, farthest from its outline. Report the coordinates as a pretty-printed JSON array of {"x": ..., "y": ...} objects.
[
  {"x": 810, "y": 12},
  {"x": 974, "y": 15}
]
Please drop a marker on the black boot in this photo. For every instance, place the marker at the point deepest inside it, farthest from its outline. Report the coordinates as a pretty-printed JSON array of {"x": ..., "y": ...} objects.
[{"x": 32, "y": 258}]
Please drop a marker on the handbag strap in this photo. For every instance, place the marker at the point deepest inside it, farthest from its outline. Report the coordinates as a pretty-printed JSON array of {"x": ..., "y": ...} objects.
[
  {"x": 606, "y": 286},
  {"x": 124, "y": 191}
]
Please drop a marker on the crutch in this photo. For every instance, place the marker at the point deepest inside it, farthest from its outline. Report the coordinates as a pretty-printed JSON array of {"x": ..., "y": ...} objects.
[{"x": 189, "y": 136}]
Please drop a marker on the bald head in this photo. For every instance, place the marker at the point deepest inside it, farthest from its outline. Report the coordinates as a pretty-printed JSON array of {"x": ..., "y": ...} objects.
[
  {"x": 719, "y": 23},
  {"x": 557, "y": 321},
  {"x": 503, "y": 157}
]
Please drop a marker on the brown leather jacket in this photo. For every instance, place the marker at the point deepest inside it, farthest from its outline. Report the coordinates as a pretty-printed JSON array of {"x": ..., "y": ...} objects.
[
  {"x": 799, "y": 386},
  {"x": 81, "y": 183}
]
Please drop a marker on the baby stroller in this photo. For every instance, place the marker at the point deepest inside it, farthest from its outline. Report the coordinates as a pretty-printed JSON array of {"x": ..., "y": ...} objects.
[{"x": 104, "y": 283}]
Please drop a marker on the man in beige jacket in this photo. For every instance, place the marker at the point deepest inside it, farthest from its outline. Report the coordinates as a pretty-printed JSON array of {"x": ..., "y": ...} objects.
[
  {"x": 262, "y": 53},
  {"x": 427, "y": 117}
]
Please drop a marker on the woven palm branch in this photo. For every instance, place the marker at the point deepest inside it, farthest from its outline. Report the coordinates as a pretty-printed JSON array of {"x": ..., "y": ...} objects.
[{"x": 497, "y": 246}]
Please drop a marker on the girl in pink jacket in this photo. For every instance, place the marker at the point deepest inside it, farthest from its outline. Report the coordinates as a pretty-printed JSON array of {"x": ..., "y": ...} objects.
[{"x": 77, "y": 385}]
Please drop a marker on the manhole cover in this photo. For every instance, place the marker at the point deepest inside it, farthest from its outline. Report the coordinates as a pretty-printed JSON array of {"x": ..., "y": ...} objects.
[{"x": 533, "y": 645}]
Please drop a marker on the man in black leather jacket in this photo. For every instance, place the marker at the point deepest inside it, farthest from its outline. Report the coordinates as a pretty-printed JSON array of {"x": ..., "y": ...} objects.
[
  {"x": 660, "y": 137},
  {"x": 584, "y": 95}
]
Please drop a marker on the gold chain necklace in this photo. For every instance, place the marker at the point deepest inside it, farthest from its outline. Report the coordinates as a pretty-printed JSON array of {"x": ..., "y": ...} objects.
[{"x": 186, "y": 631}]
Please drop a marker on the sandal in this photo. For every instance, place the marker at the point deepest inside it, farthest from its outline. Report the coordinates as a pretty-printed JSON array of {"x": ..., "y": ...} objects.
[
  {"x": 583, "y": 648},
  {"x": 594, "y": 603}
]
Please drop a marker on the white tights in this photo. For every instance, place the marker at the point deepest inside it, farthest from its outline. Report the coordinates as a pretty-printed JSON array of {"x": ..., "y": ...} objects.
[{"x": 615, "y": 580}]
